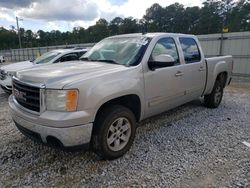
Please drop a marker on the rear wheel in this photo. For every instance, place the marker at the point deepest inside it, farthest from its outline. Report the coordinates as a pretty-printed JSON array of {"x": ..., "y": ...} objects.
[
  {"x": 114, "y": 132},
  {"x": 213, "y": 100}
]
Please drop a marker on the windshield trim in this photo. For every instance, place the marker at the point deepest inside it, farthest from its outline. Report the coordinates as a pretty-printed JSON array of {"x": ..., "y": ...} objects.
[
  {"x": 132, "y": 60},
  {"x": 144, "y": 49}
]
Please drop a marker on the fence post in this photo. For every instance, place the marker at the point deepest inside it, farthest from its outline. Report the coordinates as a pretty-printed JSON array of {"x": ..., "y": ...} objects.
[
  {"x": 18, "y": 55},
  {"x": 23, "y": 55},
  {"x": 221, "y": 44},
  {"x": 40, "y": 51},
  {"x": 28, "y": 51},
  {"x": 14, "y": 53},
  {"x": 32, "y": 50}
]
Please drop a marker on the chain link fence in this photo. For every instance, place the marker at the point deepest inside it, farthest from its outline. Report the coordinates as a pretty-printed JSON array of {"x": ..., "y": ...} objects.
[
  {"x": 24, "y": 54},
  {"x": 236, "y": 44}
]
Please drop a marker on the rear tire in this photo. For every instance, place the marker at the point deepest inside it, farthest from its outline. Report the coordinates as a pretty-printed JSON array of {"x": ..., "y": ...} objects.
[
  {"x": 214, "y": 99},
  {"x": 114, "y": 132}
]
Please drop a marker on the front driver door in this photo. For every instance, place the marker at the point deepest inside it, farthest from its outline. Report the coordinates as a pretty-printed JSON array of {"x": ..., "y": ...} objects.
[{"x": 163, "y": 86}]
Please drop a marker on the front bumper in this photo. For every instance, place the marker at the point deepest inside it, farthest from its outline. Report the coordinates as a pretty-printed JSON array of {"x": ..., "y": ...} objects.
[{"x": 35, "y": 127}]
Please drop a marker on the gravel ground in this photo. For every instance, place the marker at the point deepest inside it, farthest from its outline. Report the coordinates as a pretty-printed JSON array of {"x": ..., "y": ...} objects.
[{"x": 190, "y": 146}]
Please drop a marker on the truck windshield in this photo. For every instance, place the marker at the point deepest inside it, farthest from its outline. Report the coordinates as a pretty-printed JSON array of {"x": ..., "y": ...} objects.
[
  {"x": 119, "y": 50},
  {"x": 46, "y": 57}
]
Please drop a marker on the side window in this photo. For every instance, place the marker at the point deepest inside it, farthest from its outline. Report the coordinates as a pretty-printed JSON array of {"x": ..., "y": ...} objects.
[
  {"x": 190, "y": 50},
  {"x": 166, "y": 46},
  {"x": 81, "y": 53},
  {"x": 69, "y": 57}
]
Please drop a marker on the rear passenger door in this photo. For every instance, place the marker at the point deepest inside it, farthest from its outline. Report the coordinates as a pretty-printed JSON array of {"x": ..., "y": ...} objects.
[{"x": 194, "y": 69}]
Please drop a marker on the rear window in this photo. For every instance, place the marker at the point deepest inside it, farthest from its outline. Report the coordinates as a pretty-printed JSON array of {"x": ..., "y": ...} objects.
[{"x": 190, "y": 50}]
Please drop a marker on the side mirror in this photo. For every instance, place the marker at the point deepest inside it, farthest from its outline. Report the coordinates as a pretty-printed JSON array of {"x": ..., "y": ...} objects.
[{"x": 162, "y": 60}]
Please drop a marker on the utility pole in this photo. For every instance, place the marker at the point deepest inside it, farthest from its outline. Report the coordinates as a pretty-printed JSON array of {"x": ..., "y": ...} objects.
[
  {"x": 18, "y": 30},
  {"x": 222, "y": 35}
]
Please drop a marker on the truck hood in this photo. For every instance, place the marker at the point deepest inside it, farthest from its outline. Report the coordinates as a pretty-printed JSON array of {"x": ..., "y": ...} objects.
[
  {"x": 14, "y": 67},
  {"x": 56, "y": 76}
]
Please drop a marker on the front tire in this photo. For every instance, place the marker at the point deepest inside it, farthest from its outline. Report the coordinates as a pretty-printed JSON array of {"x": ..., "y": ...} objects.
[
  {"x": 214, "y": 99},
  {"x": 114, "y": 132}
]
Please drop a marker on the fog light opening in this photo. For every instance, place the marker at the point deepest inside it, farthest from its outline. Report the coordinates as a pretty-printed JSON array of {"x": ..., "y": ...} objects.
[{"x": 54, "y": 142}]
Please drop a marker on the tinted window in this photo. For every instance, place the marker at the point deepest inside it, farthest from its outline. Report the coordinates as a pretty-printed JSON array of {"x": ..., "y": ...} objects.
[
  {"x": 69, "y": 57},
  {"x": 81, "y": 53},
  {"x": 190, "y": 50},
  {"x": 165, "y": 46}
]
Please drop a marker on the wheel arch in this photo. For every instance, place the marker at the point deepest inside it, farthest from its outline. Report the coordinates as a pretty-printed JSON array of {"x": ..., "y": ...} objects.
[
  {"x": 130, "y": 101},
  {"x": 222, "y": 77}
]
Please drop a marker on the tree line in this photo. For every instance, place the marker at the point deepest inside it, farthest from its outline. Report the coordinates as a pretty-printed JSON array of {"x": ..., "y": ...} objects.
[{"x": 212, "y": 17}]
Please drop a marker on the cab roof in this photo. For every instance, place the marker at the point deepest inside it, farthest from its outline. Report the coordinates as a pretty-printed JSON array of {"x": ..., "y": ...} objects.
[
  {"x": 152, "y": 35},
  {"x": 70, "y": 50}
]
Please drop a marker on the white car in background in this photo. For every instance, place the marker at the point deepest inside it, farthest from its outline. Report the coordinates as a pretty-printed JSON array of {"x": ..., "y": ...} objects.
[
  {"x": 54, "y": 56},
  {"x": 2, "y": 60}
]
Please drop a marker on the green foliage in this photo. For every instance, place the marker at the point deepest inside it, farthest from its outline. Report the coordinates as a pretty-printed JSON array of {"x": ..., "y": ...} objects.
[{"x": 210, "y": 18}]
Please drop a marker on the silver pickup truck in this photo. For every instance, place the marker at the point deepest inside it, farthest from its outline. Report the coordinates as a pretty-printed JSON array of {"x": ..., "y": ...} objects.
[{"x": 122, "y": 80}]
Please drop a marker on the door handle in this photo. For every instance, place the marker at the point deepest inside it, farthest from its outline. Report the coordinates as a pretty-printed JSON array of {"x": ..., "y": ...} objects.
[
  {"x": 201, "y": 69},
  {"x": 179, "y": 73}
]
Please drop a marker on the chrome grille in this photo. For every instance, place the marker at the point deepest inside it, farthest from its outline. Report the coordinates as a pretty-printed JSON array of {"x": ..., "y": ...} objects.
[
  {"x": 26, "y": 95},
  {"x": 3, "y": 75}
]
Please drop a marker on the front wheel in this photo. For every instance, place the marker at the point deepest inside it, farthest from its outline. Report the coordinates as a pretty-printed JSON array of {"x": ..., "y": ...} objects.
[
  {"x": 114, "y": 132},
  {"x": 213, "y": 100}
]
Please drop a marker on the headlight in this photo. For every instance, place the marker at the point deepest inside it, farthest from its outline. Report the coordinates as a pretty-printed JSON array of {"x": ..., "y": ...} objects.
[
  {"x": 61, "y": 100},
  {"x": 11, "y": 74}
]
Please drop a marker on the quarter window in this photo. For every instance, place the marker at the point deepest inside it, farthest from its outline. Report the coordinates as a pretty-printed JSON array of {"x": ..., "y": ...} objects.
[
  {"x": 190, "y": 50},
  {"x": 165, "y": 46}
]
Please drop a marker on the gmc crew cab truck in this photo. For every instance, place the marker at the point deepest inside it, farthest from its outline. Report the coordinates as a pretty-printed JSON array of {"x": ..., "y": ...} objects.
[{"x": 122, "y": 80}]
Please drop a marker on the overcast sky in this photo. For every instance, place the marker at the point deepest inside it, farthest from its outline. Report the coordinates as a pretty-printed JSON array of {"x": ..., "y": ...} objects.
[{"x": 63, "y": 15}]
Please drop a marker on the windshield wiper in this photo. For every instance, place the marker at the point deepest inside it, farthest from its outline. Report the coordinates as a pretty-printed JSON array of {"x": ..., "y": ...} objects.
[
  {"x": 109, "y": 61},
  {"x": 102, "y": 60},
  {"x": 85, "y": 59}
]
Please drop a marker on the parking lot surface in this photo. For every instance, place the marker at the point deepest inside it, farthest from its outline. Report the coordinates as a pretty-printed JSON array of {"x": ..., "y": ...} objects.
[{"x": 190, "y": 146}]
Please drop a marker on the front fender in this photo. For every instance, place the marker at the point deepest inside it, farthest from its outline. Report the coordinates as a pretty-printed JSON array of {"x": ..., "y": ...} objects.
[
  {"x": 94, "y": 92},
  {"x": 102, "y": 93}
]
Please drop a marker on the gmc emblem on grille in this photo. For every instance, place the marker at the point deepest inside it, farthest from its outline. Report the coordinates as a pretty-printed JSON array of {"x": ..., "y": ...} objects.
[{"x": 19, "y": 94}]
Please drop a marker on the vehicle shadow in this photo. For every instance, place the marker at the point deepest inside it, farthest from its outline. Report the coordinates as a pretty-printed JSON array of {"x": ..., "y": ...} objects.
[
  {"x": 26, "y": 156},
  {"x": 182, "y": 112},
  {"x": 3, "y": 97},
  {"x": 164, "y": 119}
]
